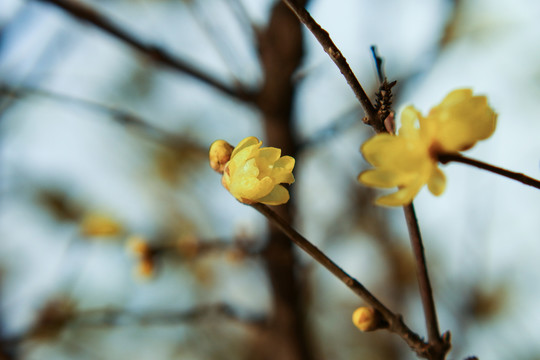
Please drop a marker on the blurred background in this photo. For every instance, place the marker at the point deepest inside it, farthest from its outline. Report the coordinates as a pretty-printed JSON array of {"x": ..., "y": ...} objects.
[{"x": 118, "y": 240}]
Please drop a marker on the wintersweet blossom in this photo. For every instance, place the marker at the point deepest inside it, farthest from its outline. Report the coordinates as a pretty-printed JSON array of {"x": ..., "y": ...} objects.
[
  {"x": 253, "y": 174},
  {"x": 409, "y": 159}
]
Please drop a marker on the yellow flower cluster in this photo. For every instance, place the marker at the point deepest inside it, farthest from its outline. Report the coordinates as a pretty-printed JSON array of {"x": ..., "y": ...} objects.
[
  {"x": 409, "y": 159},
  {"x": 253, "y": 174}
]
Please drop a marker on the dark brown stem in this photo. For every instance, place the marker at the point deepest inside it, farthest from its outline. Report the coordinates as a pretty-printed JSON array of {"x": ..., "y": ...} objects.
[
  {"x": 426, "y": 293},
  {"x": 86, "y": 13},
  {"x": 524, "y": 179},
  {"x": 331, "y": 49},
  {"x": 395, "y": 321},
  {"x": 439, "y": 346}
]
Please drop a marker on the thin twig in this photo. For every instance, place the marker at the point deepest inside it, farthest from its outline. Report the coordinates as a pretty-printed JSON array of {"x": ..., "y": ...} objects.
[
  {"x": 439, "y": 346},
  {"x": 522, "y": 178},
  {"x": 86, "y": 13},
  {"x": 331, "y": 49},
  {"x": 395, "y": 321},
  {"x": 122, "y": 116},
  {"x": 378, "y": 64}
]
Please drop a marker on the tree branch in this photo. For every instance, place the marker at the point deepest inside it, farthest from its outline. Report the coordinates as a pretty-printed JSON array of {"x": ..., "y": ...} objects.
[
  {"x": 86, "y": 13},
  {"x": 331, "y": 49},
  {"x": 395, "y": 321},
  {"x": 439, "y": 346},
  {"x": 118, "y": 317},
  {"x": 522, "y": 178}
]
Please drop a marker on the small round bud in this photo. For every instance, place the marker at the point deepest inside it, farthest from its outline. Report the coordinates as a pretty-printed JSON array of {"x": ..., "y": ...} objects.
[
  {"x": 219, "y": 154},
  {"x": 368, "y": 319}
]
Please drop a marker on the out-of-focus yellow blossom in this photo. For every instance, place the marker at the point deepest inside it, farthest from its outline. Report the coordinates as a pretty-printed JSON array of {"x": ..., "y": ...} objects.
[
  {"x": 95, "y": 224},
  {"x": 409, "y": 160},
  {"x": 254, "y": 174},
  {"x": 138, "y": 246},
  {"x": 145, "y": 269}
]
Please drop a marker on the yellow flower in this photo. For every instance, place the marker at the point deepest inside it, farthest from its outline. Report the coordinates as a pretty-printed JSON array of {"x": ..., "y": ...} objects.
[
  {"x": 95, "y": 224},
  {"x": 254, "y": 174},
  {"x": 409, "y": 160}
]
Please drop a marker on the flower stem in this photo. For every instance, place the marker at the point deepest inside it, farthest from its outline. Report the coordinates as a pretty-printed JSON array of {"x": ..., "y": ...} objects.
[
  {"x": 395, "y": 321},
  {"x": 524, "y": 179}
]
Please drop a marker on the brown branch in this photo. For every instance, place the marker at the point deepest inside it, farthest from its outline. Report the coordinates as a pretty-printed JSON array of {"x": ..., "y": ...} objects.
[
  {"x": 439, "y": 347},
  {"x": 86, "y": 13},
  {"x": 331, "y": 49},
  {"x": 522, "y": 178},
  {"x": 118, "y": 317},
  {"x": 280, "y": 53},
  {"x": 395, "y": 321},
  {"x": 121, "y": 116}
]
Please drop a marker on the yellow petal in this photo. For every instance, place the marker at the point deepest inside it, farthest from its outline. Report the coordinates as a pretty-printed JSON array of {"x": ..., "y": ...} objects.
[
  {"x": 282, "y": 170},
  {"x": 401, "y": 197},
  {"x": 251, "y": 188},
  {"x": 437, "y": 182},
  {"x": 249, "y": 141},
  {"x": 410, "y": 122},
  {"x": 380, "y": 178},
  {"x": 278, "y": 196},
  {"x": 266, "y": 157},
  {"x": 462, "y": 120},
  {"x": 377, "y": 149},
  {"x": 240, "y": 158}
]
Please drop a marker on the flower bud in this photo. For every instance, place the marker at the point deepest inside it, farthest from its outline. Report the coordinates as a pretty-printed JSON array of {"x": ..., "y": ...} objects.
[
  {"x": 220, "y": 154},
  {"x": 368, "y": 319}
]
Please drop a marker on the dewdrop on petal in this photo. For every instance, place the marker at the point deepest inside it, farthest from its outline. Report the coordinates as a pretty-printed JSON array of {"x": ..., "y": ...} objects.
[{"x": 368, "y": 319}]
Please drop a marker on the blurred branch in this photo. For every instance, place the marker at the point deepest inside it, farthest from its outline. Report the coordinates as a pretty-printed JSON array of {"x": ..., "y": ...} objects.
[
  {"x": 395, "y": 321},
  {"x": 215, "y": 35},
  {"x": 123, "y": 317},
  {"x": 522, "y": 178},
  {"x": 240, "y": 12},
  {"x": 123, "y": 117},
  {"x": 86, "y": 13},
  {"x": 331, "y": 49}
]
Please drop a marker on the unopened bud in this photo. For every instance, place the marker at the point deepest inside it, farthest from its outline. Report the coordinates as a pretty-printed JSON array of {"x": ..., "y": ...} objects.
[
  {"x": 219, "y": 154},
  {"x": 368, "y": 319}
]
